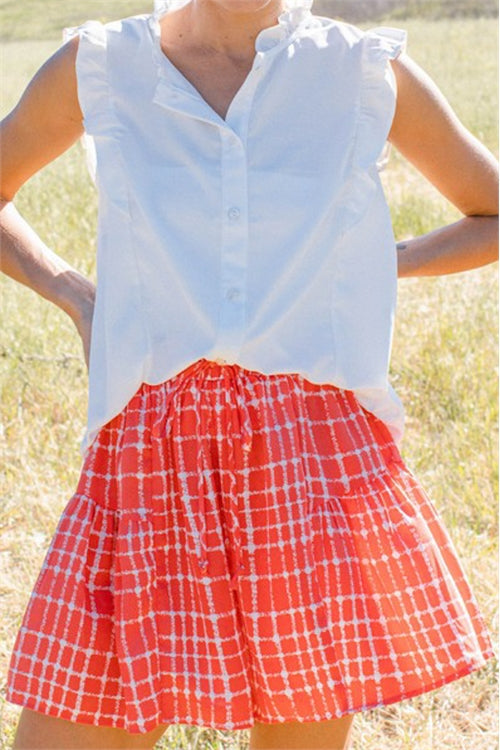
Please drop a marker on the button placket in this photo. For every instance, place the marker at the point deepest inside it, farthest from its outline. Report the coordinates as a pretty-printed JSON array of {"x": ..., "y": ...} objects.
[
  {"x": 233, "y": 293},
  {"x": 234, "y": 239}
]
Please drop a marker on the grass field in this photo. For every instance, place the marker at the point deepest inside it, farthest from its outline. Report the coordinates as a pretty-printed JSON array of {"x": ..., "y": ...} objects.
[
  {"x": 40, "y": 19},
  {"x": 444, "y": 367}
]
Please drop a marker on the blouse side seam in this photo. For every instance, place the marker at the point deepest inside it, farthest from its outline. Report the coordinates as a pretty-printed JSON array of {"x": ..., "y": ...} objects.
[{"x": 140, "y": 294}]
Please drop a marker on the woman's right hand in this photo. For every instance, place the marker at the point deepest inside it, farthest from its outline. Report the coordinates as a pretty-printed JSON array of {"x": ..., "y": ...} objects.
[{"x": 83, "y": 320}]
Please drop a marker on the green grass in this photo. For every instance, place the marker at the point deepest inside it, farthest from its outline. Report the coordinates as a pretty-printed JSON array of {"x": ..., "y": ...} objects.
[
  {"x": 444, "y": 367},
  {"x": 44, "y": 19}
]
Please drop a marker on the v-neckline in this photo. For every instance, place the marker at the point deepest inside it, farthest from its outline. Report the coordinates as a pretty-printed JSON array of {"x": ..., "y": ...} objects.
[
  {"x": 285, "y": 28},
  {"x": 186, "y": 84}
]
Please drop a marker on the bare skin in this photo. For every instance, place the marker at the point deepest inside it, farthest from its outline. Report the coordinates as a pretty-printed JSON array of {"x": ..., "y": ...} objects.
[
  {"x": 428, "y": 133},
  {"x": 212, "y": 44},
  {"x": 37, "y": 731},
  {"x": 310, "y": 735},
  {"x": 214, "y": 47}
]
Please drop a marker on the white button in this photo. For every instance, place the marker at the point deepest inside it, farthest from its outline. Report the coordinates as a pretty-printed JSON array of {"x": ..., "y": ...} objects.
[
  {"x": 233, "y": 293},
  {"x": 234, "y": 213}
]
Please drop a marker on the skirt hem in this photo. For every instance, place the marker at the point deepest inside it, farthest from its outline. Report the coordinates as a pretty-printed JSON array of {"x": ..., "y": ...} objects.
[{"x": 242, "y": 726}]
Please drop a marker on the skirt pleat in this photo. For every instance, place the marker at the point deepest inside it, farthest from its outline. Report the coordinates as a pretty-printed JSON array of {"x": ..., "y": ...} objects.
[{"x": 243, "y": 547}]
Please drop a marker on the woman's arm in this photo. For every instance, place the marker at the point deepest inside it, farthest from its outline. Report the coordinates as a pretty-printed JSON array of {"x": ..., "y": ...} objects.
[
  {"x": 45, "y": 123},
  {"x": 428, "y": 133}
]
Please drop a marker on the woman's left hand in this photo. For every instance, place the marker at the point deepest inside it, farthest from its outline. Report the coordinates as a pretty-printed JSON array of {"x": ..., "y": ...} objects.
[{"x": 82, "y": 318}]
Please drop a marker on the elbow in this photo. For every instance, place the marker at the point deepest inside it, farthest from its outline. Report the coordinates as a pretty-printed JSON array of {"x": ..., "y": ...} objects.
[
  {"x": 488, "y": 223},
  {"x": 494, "y": 249}
]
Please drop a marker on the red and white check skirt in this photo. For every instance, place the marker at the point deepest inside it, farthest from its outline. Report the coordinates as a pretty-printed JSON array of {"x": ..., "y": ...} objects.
[{"x": 243, "y": 547}]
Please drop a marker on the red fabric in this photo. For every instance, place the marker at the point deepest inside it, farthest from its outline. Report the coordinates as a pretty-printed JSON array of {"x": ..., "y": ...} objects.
[{"x": 243, "y": 547}]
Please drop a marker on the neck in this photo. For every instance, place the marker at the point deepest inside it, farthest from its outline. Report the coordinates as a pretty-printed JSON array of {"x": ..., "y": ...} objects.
[{"x": 229, "y": 26}]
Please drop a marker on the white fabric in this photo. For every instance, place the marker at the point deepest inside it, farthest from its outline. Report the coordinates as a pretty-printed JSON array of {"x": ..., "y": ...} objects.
[{"x": 263, "y": 239}]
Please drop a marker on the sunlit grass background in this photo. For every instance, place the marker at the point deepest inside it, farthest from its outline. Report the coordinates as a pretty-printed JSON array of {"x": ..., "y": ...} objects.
[{"x": 444, "y": 367}]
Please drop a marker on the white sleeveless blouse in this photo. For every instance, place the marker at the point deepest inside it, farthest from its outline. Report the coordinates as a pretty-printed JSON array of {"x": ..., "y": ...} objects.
[{"x": 263, "y": 239}]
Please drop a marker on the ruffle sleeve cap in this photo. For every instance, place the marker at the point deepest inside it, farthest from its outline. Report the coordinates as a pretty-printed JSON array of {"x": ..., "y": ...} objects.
[
  {"x": 376, "y": 107},
  {"x": 378, "y": 96},
  {"x": 93, "y": 90},
  {"x": 93, "y": 87}
]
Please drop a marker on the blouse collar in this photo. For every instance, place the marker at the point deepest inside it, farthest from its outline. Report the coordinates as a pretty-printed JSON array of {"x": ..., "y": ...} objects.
[
  {"x": 176, "y": 93},
  {"x": 295, "y": 17},
  {"x": 297, "y": 13}
]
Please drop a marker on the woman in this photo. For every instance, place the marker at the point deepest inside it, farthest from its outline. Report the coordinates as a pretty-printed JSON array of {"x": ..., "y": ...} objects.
[{"x": 245, "y": 547}]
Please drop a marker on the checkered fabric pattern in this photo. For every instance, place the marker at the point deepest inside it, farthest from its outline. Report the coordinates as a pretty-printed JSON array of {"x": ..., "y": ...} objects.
[{"x": 243, "y": 547}]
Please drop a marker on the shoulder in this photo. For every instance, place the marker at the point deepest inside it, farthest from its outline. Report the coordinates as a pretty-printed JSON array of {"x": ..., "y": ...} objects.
[
  {"x": 327, "y": 32},
  {"x": 98, "y": 34},
  {"x": 342, "y": 44},
  {"x": 386, "y": 39},
  {"x": 105, "y": 51}
]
